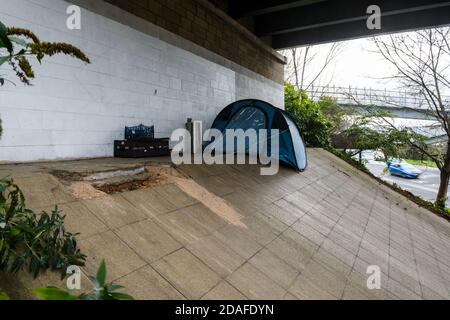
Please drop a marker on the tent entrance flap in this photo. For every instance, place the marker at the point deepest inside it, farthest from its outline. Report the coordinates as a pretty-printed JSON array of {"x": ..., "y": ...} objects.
[{"x": 256, "y": 114}]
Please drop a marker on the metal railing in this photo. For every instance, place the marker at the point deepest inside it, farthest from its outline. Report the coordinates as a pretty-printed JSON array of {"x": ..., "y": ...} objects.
[{"x": 371, "y": 97}]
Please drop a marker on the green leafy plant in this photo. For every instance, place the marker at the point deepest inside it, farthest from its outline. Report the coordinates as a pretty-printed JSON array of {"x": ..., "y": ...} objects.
[
  {"x": 101, "y": 290},
  {"x": 314, "y": 124},
  {"x": 3, "y": 295},
  {"x": 426, "y": 163},
  {"x": 36, "y": 242},
  {"x": 19, "y": 44}
]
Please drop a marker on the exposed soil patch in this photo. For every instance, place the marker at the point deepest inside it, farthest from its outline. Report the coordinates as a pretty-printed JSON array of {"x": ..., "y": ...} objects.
[
  {"x": 85, "y": 190},
  {"x": 214, "y": 203},
  {"x": 67, "y": 175},
  {"x": 129, "y": 185},
  {"x": 150, "y": 177},
  {"x": 100, "y": 184}
]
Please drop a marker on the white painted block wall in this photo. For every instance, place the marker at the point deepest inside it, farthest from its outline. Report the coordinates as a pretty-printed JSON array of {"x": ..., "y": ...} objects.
[{"x": 75, "y": 110}]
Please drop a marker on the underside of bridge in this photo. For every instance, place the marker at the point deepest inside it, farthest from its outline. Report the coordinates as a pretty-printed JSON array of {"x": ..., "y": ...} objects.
[{"x": 290, "y": 23}]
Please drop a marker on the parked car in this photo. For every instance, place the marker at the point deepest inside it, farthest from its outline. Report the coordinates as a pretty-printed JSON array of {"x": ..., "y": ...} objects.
[{"x": 403, "y": 169}]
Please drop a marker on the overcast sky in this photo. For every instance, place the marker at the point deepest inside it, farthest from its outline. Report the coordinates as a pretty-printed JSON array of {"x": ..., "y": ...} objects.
[{"x": 357, "y": 65}]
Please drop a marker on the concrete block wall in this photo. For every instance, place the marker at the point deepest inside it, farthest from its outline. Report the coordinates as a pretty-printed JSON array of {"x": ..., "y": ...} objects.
[
  {"x": 196, "y": 21},
  {"x": 75, "y": 110}
]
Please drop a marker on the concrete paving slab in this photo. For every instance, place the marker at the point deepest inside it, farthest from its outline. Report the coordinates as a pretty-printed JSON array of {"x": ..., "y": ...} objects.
[
  {"x": 218, "y": 185},
  {"x": 216, "y": 255},
  {"x": 148, "y": 240},
  {"x": 348, "y": 257},
  {"x": 275, "y": 268},
  {"x": 323, "y": 257},
  {"x": 263, "y": 229},
  {"x": 81, "y": 220},
  {"x": 238, "y": 240},
  {"x": 187, "y": 274},
  {"x": 315, "y": 242},
  {"x": 147, "y": 284},
  {"x": 149, "y": 202},
  {"x": 401, "y": 291},
  {"x": 43, "y": 190},
  {"x": 306, "y": 289},
  {"x": 114, "y": 210},
  {"x": 293, "y": 248},
  {"x": 290, "y": 297},
  {"x": 332, "y": 282},
  {"x": 357, "y": 282},
  {"x": 362, "y": 265},
  {"x": 309, "y": 233},
  {"x": 254, "y": 284},
  {"x": 210, "y": 220},
  {"x": 283, "y": 211},
  {"x": 119, "y": 258},
  {"x": 182, "y": 225},
  {"x": 224, "y": 291},
  {"x": 171, "y": 193},
  {"x": 430, "y": 294},
  {"x": 247, "y": 201},
  {"x": 407, "y": 279}
]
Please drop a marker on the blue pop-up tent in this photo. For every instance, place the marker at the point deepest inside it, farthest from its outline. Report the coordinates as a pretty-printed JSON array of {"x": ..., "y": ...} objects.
[{"x": 257, "y": 114}]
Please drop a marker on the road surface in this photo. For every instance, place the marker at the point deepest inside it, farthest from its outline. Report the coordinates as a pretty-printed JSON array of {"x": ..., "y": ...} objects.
[{"x": 426, "y": 186}]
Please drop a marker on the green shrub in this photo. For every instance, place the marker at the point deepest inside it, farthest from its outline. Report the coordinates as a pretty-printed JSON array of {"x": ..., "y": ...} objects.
[
  {"x": 3, "y": 295},
  {"x": 314, "y": 124},
  {"x": 36, "y": 242},
  {"x": 101, "y": 290}
]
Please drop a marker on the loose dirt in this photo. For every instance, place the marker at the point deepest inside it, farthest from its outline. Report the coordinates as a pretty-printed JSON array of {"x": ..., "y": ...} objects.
[
  {"x": 214, "y": 203},
  {"x": 85, "y": 190},
  {"x": 151, "y": 177}
]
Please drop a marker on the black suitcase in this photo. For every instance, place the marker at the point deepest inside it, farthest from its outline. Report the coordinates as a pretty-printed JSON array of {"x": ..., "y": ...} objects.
[{"x": 141, "y": 149}]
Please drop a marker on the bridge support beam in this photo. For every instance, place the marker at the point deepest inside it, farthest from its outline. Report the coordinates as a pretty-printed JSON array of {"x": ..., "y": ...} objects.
[{"x": 403, "y": 113}]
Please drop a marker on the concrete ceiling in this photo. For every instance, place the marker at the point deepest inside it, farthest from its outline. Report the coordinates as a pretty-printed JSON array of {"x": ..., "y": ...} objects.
[{"x": 290, "y": 23}]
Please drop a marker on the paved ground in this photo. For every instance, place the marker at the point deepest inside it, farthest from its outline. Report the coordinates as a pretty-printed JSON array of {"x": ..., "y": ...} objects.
[
  {"x": 298, "y": 236},
  {"x": 426, "y": 186}
]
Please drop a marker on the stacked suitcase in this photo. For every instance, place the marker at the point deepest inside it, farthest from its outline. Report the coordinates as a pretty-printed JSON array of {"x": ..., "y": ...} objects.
[{"x": 140, "y": 143}]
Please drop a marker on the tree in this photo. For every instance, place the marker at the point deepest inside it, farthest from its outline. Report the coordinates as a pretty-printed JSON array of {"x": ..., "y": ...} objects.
[
  {"x": 341, "y": 118},
  {"x": 324, "y": 122},
  {"x": 366, "y": 134},
  {"x": 313, "y": 123},
  {"x": 421, "y": 61},
  {"x": 307, "y": 65}
]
